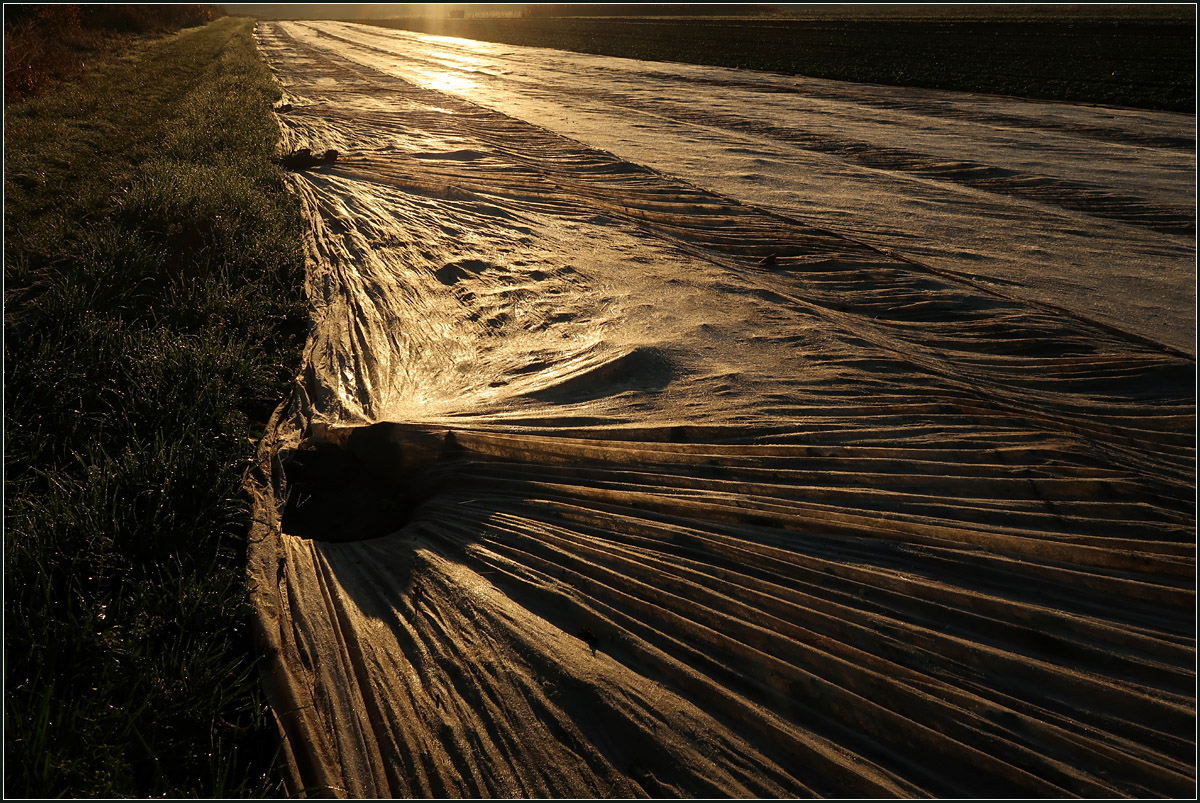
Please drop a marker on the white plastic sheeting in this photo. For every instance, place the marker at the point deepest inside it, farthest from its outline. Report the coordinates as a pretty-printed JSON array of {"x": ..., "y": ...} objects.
[
  {"x": 1089, "y": 208},
  {"x": 846, "y": 503}
]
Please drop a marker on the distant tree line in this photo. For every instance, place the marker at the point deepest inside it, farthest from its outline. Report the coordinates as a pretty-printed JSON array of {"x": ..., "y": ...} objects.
[
  {"x": 43, "y": 43},
  {"x": 115, "y": 18}
]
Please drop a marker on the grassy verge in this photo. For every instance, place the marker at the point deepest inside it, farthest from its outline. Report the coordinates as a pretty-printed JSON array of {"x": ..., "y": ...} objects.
[
  {"x": 1145, "y": 61},
  {"x": 154, "y": 315},
  {"x": 47, "y": 43}
]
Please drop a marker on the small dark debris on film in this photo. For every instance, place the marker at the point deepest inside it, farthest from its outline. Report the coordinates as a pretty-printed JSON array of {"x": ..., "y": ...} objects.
[
  {"x": 303, "y": 159},
  {"x": 589, "y": 638}
]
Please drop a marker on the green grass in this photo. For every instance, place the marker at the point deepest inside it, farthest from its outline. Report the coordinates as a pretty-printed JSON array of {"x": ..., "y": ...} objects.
[{"x": 154, "y": 315}]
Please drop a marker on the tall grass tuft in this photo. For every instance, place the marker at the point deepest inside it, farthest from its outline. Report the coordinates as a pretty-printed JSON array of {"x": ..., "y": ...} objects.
[{"x": 154, "y": 313}]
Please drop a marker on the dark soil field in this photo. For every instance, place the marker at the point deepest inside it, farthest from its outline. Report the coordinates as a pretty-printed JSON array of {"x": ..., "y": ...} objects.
[{"x": 1145, "y": 61}]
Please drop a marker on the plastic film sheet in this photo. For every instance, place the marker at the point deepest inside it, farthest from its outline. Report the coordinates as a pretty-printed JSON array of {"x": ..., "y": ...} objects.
[{"x": 596, "y": 483}]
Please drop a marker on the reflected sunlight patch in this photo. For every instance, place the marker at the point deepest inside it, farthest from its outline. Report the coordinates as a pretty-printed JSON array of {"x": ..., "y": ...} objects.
[
  {"x": 456, "y": 59},
  {"x": 471, "y": 44},
  {"x": 449, "y": 82}
]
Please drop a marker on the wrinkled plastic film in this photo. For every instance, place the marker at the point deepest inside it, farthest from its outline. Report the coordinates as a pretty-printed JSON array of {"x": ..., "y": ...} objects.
[{"x": 825, "y": 512}]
